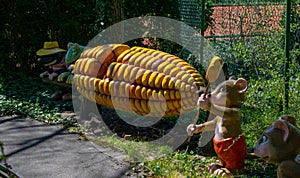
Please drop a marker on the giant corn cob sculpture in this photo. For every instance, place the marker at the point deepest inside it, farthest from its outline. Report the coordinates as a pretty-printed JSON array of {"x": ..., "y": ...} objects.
[{"x": 139, "y": 80}]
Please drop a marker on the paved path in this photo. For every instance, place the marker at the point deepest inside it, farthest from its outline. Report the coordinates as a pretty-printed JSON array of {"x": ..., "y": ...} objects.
[{"x": 36, "y": 150}]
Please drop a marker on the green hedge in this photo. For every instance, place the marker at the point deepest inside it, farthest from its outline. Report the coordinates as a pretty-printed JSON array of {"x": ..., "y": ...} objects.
[{"x": 25, "y": 25}]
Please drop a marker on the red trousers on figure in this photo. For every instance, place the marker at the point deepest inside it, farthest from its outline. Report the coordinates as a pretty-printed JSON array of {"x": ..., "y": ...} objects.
[{"x": 231, "y": 151}]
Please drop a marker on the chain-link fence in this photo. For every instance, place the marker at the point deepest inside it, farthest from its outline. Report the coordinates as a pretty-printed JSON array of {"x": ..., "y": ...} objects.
[
  {"x": 250, "y": 36},
  {"x": 230, "y": 25}
]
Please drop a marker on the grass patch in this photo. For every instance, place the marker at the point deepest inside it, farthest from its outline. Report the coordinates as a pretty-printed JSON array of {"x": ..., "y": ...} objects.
[
  {"x": 175, "y": 164},
  {"x": 136, "y": 150},
  {"x": 192, "y": 165}
]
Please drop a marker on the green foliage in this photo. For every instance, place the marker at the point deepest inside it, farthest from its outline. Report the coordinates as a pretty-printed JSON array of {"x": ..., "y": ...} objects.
[
  {"x": 25, "y": 25},
  {"x": 258, "y": 58},
  {"x": 25, "y": 95},
  {"x": 179, "y": 165},
  {"x": 136, "y": 150},
  {"x": 168, "y": 8},
  {"x": 190, "y": 164},
  {"x": 143, "y": 8},
  {"x": 2, "y": 155},
  {"x": 294, "y": 25},
  {"x": 107, "y": 13}
]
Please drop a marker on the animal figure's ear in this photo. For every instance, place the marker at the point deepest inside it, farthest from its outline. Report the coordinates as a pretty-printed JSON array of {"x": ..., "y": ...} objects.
[
  {"x": 282, "y": 125},
  {"x": 70, "y": 44},
  {"x": 290, "y": 119},
  {"x": 241, "y": 84}
]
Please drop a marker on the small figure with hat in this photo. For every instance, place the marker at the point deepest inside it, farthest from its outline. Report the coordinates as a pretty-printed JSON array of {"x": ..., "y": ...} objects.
[{"x": 53, "y": 57}]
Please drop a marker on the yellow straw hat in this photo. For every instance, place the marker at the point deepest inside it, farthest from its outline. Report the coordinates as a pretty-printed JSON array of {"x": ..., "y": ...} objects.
[{"x": 49, "y": 48}]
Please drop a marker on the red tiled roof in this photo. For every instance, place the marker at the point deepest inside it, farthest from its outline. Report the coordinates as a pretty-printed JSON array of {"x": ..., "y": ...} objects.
[{"x": 245, "y": 20}]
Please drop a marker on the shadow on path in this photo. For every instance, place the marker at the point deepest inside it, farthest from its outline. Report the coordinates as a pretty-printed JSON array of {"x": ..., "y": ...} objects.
[{"x": 38, "y": 150}]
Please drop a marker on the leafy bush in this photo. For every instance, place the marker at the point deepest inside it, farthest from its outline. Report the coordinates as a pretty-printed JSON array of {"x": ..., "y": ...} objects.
[
  {"x": 258, "y": 58},
  {"x": 26, "y": 95},
  {"x": 25, "y": 25}
]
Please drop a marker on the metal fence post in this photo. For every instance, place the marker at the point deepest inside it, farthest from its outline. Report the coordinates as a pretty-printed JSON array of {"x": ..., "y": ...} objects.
[
  {"x": 287, "y": 55},
  {"x": 202, "y": 29}
]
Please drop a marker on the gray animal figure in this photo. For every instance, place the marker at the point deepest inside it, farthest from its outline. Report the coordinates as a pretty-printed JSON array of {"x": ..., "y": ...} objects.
[{"x": 280, "y": 144}]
